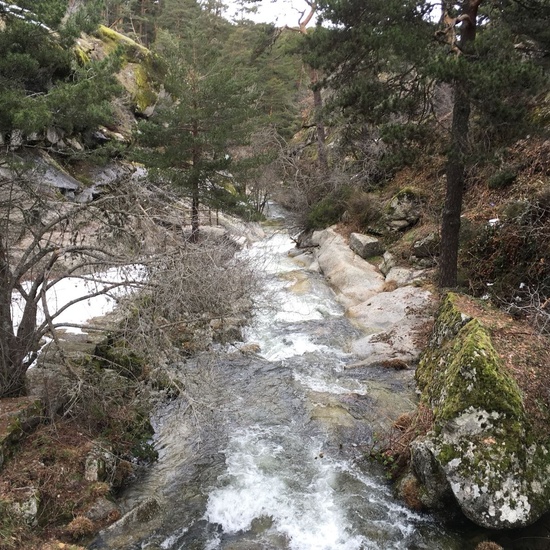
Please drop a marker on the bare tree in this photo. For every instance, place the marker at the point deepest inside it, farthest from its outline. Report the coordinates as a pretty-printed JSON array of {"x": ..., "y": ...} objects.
[{"x": 44, "y": 239}]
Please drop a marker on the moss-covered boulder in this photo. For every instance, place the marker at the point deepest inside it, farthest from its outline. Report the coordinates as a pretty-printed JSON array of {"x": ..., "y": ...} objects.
[{"x": 482, "y": 450}]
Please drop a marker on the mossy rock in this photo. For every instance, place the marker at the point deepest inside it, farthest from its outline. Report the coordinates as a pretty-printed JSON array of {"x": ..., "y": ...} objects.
[
  {"x": 18, "y": 417},
  {"x": 134, "y": 52},
  {"x": 467, "y": 372},
  {"x": 482, "y": 440},
  {"x": 138, "y": 74},
  {"x": 449, "y": 320}
]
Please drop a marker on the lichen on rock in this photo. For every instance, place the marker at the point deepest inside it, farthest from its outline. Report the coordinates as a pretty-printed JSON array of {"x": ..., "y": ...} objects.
[{"x": 481, "y": 447}]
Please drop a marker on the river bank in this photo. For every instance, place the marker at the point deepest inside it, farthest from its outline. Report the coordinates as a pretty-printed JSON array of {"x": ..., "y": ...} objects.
[{"x": 265, "y": 428}]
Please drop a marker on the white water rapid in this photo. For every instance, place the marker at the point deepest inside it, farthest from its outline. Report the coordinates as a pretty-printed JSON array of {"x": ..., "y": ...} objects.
[{"x": 267, "y": 451}]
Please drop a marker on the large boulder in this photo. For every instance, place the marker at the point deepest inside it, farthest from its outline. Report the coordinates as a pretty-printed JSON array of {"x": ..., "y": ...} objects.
[
  {"x": 403, "y": 211},
  {"x": 353, "y": 279},
  {"x": 392, "y": 321},
  {"x": 481, "y": 447}
]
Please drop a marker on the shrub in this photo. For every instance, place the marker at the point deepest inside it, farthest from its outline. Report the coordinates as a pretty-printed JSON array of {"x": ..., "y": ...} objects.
[
  {"x": 502, "y": 179},
  {"x": 363, "y": 210},
  {"x": 325, "y": 213}
]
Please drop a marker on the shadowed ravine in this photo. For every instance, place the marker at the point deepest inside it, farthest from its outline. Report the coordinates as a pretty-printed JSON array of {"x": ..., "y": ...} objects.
[{"x": 267, "y": 451}]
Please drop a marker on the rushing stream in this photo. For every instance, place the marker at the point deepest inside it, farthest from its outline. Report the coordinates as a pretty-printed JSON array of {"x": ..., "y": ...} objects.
[{"x": 266, "y": 451}]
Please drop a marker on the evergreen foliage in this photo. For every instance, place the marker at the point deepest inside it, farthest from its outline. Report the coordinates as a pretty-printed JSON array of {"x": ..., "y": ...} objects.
[
  {"x": 188, "y": 140},
  {"x": 385, "y": 60},
  {"x": 41, "y": 85}
]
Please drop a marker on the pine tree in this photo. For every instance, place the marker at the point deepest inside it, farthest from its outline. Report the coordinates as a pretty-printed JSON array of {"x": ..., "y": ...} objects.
[
  {"x": 41, "y": 84},
  {"x": 492, "y": 79},
  {"x": 383, "y": 59},
  {"x": 188, "y": 140},
  {"x": 370, "y": 56}
]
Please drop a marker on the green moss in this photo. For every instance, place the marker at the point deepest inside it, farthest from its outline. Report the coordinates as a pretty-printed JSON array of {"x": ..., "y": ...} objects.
[
  {"x": 134, "y": 52},
  {"x": 481, "y": 437},
  {"x": 461, "y": 369},
  {"x": 409, "y": 193},
  {"x": 475, "y": 377},
  {"x": 447, "y": 453},
  {"x": 141, "y": 63},
  {"x": 449, "y": 321},
  {"x": 117, "y": 355},
  {"x": 82, "y": 56},
  {"x": 144, "y": 95},
  {"x": 502, "y": 179}
]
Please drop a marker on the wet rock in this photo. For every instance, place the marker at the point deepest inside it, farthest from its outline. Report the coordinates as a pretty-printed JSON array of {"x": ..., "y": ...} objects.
[
  {"x": 436, "y": 492},
  {"x": 305, "y": 239},
  {"x": 365, "y": 246},
  {"x": 137, "y": 518}
]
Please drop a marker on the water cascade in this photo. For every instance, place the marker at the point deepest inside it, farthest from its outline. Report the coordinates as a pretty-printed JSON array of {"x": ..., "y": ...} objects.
[{"x": 267, "y": 450}]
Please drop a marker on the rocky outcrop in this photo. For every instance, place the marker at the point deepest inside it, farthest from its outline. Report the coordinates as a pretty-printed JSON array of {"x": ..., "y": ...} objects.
[
  {"x": 481, "y": 451},
  {"x": 403, "y": 211},
  {"x": 354, "y": 279},
  {"x": 390, "y": 316}
]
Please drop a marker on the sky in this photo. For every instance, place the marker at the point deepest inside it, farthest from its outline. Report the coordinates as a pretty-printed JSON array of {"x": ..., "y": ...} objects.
[{"x": 279, "y": 12}]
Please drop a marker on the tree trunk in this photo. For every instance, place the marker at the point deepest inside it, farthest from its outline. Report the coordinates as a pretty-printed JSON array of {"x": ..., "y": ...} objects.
[
  {"x": 456, "y": 161},
  {"x": 450, "y": 223},
  {"x": 195, "y": 204},
  {"x": 13, "y": 349},
  {"x": 317, "y": 97},
  {"x": 195, "y": 187}
]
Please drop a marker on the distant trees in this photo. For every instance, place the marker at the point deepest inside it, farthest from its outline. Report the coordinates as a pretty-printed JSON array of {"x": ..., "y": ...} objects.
[
  {"x": 187, "y": 142},
  {"x": 224, "y": 83}
]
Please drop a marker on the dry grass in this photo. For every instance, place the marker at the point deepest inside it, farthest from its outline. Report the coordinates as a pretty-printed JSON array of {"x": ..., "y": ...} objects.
[{"x": 394, "y": 446}]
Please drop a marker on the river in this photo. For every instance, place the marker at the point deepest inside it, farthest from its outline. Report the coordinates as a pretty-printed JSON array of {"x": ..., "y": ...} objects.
[{"x": 268, "y": 450}]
